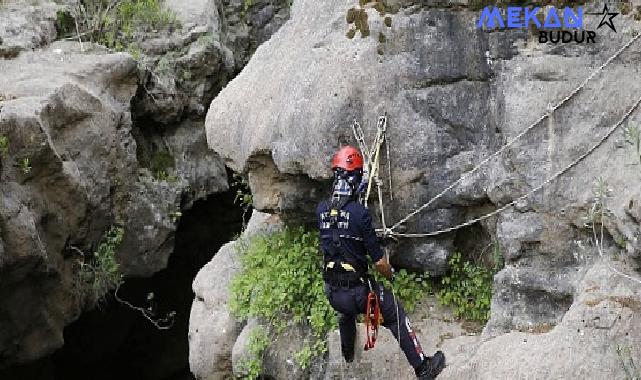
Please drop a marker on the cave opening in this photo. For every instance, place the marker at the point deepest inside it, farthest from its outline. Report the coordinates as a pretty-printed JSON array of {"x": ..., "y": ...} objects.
[
  {"x": 117, "y": 342},
  {"x": 114, "y": 341}
]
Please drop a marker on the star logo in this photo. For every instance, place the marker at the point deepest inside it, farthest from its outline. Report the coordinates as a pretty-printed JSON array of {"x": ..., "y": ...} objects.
[{"x": 607, "y": 18}]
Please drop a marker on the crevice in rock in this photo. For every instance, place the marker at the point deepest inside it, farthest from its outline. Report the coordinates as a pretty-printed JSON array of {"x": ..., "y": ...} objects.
[{"x": 116, "y": 342}]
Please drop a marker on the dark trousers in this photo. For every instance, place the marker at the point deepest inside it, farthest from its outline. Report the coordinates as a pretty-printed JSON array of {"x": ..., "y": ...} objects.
[{"x": 349, "y": 302}]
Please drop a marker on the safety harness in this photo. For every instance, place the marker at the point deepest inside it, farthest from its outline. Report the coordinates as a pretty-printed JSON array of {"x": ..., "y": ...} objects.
[{"x": 349, "y": 272}]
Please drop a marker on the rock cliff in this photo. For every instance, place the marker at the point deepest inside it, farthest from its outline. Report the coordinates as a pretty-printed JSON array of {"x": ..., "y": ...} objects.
[
  {"x": 455, "y": 94},
  {"x": 93, "y": 138}
]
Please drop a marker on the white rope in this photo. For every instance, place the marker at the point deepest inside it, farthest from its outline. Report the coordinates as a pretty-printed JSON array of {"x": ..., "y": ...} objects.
[
  {"x": 509, "y": 143},
  {"x": 550, "y": 179}
]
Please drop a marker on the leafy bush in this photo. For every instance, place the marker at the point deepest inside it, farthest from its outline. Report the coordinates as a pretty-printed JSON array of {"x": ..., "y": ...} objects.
[
  {"x": 100, "y": 273},
  {"x": 258, "y": 341},
  {"x": 409, "y": 288},
  {"x": 115, "y": 23},
  {"x": 282, "y": 281},
  {"x": 282, "y": 278},
  {"x": 65, "y": 23},
  {"x": 468, "y": 288}
]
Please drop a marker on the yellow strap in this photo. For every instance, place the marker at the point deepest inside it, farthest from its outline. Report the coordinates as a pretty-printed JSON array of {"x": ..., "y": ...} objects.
[{"x": 348, "y": 267}]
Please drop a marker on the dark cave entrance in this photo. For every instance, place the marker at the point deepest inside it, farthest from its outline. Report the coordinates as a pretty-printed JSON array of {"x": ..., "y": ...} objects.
[{"x": 117, "y": 342}]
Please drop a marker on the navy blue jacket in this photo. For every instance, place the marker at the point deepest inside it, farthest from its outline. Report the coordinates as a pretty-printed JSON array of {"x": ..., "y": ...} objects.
[{"x": 357, "y": 234}]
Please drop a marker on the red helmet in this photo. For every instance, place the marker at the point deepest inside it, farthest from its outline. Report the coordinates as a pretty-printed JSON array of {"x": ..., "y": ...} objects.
[{"x": 348, "y": 158}]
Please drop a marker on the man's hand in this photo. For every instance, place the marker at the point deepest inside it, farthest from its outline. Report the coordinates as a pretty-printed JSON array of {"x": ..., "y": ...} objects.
[{"x": 383, "y": 267}]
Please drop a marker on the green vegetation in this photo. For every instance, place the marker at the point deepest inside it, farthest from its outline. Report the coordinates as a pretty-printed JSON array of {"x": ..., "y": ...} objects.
[
  {"x": 25, "y": 165},
  {"x": 175, "y": 216},
  {"x": 115, "y": 24},
  {"x": 100, "y": 273},
  {"x": 65, "y": 23},
  {"x": 243, "y": 194},
  {"x": 410, "y": 288},
  {"x": 357, "y": 19},
  {"x": 257, "y": 343},
  {"x": 281, "y": 281},
  {"x": 4, "y": 145},
  {"x": 468, "y": 289},
  {"x": 161, "y": 165}
]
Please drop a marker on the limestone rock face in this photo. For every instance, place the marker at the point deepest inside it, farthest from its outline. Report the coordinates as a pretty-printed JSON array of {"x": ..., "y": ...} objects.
[
  {"x": 26, "y": 26},
  {"x": 95, "y": 139},
  {"x": 69, "y": 150},
  {"x": 215, "y": 38},
  {"x": 440, "y": 119},
  {"x": 599, "y": 337},
  {"x": 212, "y": 329},
  {"x": 454, "y": 94}
]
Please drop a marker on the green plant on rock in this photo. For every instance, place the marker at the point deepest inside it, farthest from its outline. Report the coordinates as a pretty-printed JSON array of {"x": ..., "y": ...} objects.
[
  {"x": 4, "y": 145},
  {"x": 304, "y": 357},
  {"x": 115, "y": 23},
  {"x": 498, "y": 261},
  {"x": 258, "y": 341},
  {"x": 100, "y": 273},
  {"x": 243, "y": 196},
  {"x": 65, "y": 23},
  {"x": 25, "y": 165},
  {"x": 161, "y": 164},
  {"x": 410, "y": 288},
  {"x": 468, "y": 289},
  {"x": 281, "y": 281}
]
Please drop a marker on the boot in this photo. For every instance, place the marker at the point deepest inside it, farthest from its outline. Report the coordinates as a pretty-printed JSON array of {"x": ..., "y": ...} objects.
[
  {"x": 348, "y": 353},
  {"x": 431, "y": 366}
]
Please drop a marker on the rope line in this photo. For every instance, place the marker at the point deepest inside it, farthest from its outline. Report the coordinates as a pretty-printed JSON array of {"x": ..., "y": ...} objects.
[
  {"x": 507, "y": 145},
  {"x": 550, "y": 179}
]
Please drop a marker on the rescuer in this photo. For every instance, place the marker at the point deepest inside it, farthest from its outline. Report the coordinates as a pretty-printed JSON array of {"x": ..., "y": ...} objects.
[{"x": 347, "y": 237}]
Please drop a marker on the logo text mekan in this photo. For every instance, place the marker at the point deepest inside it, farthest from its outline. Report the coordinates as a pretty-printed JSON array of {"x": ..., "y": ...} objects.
[{"x": 523, "y": 18}]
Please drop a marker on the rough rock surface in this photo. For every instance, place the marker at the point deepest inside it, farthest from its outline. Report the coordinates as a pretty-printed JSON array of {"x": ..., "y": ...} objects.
[
  {"x": 69, "y": 143},
  {"x": 435, "y": 330},
  {"x": 212, "y": 330},
  {"x": 97, "y": 139},
  {"x": 185, "y": 70},
  {"x": 26, "y": 26},
  {"x": 598, "y": 338},
  {"x": 453, "y": 94},
  {"x": 279, "y": 358}
]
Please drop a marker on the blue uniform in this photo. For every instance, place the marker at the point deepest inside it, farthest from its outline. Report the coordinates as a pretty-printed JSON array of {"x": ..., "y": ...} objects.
[
  {"x": 355, "y": 229},
  {"x": 357, "y": 240}
]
